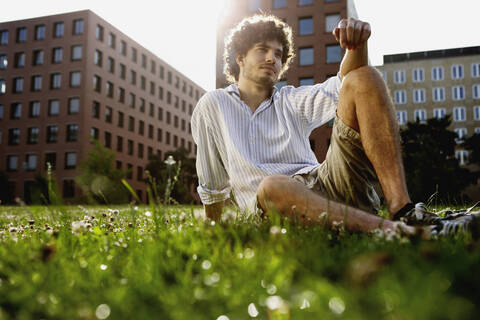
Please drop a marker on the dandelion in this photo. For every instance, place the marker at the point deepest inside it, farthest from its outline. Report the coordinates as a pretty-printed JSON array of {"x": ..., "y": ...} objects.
[
  {"x": 275, "y": 230},
  {"x": 103, "y": 267},
  {"x": 206, "y": 264},
  {"x": 277, "y": 303},
  {"x": 148, "y": 213},
  {"x": 271, "y": 289},
  {"x": 249, "y": 253},
  {"x": 223, "y": 317},
  {"x": 252, "y": 310},
  {"x": 336, "y": 305},
  {"x": 77, "y": 226},
  {"x": 103, "y": 311}
]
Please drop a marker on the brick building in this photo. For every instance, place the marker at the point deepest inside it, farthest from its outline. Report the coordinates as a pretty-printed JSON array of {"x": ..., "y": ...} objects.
[
  {"x": 67, "y": 78},
  {"x": 318, "y": 54}
]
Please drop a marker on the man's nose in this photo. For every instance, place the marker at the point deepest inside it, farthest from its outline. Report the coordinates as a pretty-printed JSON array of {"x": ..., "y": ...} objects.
[{"x": 270, "y": 56}]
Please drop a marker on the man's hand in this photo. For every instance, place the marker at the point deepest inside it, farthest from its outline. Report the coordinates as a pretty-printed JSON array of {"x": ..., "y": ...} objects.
[{"x": 352, "y": 33}]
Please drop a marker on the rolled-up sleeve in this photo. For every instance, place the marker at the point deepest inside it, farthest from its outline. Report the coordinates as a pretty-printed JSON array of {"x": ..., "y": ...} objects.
[
  {"x": 316, "y": 104},
  {"x": 213, "y": 180}
]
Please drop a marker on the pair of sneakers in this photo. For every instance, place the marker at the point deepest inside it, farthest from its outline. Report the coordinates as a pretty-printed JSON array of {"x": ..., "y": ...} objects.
[{"x": 446, "y": 223}]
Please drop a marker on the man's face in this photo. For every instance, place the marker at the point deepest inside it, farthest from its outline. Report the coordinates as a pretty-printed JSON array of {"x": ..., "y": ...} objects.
[{"x": 262, "y": 63}]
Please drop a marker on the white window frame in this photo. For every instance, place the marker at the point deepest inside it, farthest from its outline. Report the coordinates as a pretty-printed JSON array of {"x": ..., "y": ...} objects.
[
  {"x": 476, "y": 112},
  {"x": 439, "y": 113},
  {"x": 476, "y": 91},
  {"x": 400, "y": 96},
  {"x": 475, "y": 70},
  {"x": 419, "y": 95},
  {"x": 437, "y": 73},
  {"x": 461, "y": 134},
  {"x": 457, "y": 71},
  {"x": 458, "y": 93},
  {"x": 420, "y": 114},
  {"x": 438, "y": 94},
  {"x": 399, "y": 76},
  {"x": 418, "y": 75},
  {"x": 459, "y": 114},
  {"x": 462, "y": 156},
  {"x": 402, "y": 117}
]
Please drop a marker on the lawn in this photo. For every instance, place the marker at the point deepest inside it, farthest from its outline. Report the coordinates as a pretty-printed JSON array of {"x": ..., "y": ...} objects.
[{"x": 147, "y": 262}]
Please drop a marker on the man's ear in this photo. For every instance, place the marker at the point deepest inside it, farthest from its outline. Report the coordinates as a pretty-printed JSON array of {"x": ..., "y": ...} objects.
[{"x": 239, "y": 59}]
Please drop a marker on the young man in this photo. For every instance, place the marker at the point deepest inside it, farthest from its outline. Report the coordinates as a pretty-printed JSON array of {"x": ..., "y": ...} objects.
[{"x": 252, "y": 139}]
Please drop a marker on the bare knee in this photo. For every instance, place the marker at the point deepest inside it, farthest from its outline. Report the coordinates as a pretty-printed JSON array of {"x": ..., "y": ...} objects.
[
  {"x": 363, "y": 79},
  {"x": 271, "y": 189}
]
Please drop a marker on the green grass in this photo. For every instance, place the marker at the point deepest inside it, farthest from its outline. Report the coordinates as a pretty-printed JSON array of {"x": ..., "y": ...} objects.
[{"x": 156, "y": 263}]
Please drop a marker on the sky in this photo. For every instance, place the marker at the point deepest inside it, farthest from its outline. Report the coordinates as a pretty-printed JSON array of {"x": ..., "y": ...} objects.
[{"x": 182, "y": 32}]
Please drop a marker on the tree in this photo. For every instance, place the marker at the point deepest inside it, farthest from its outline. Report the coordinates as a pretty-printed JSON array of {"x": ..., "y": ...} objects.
[
  {"x": 430, "y": 163},
  {"x": 6, "y": 194},
  {"x": 473, "y": 144},
  {"x": 99, "y": 179},
  {"x": 186, "y": 179}
]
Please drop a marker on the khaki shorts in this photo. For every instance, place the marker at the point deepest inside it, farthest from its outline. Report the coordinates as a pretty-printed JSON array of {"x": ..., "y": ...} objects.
[{"x": 346, "y": 175}]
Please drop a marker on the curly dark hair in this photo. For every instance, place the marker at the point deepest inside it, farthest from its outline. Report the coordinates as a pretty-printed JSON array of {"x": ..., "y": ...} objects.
[{"x": 253, "y": 30}]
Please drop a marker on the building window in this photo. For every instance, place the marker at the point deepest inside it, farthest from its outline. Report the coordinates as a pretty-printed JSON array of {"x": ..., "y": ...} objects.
[
  {"x": 3, "y": 37},
  {"x": 119, "y": 144},
  {"x": 169, "y": 117},
  {"x": 418, "y": 95},
  {"x": 476, "y": 91},
  {"x": 18, "y": 85},
  {"x": 15, "y": 111},
  {"x": 152, "y": 88},
  {"x": 142, "y": 105},
  {"x": 97, "y": 58},
  {"x": 111, "y": 40},
  {"x": 420, "y": 115},
  {"x": 37, "y": 57},
  {"x": 13, "y": 136},
  {"x": 94, "y": 133},
  {"x": 73, "y": 105},
  {"x": 108, "y": 140},
  {"x": 305, "y": 2},
  {"x": 32, "y": 135},
  {"x": 36, "y": 83},
  {"x": 175, "y": 141},
  {"x": 3, "y": 61},
  {"x": 457, "y": 71},
  {"x": 58, "y": 29},
  {"x": 123, "y": 48},
  {"x": 151, "y": 110},
  {"x": 134, "y": 55},
  {"x": 97, "y": 83},
  {"x": 418, "y": 75},
  {"x": 111, "y": 65},
  {"x": 476, "y": 112},
  {"x": 160, "y": 114},
  {"x": 120, "y": 119},
  {"x": 153, "y": 67},
  {"x": 399, "y": 76},
  {"x": 57, "y": 55},
  {"x": 34, "y": 111},
  {"x": 55, "y": 80},
  {"x": 159, "y": 135},
  {"x": 462, "y": 156},
  {"x": 184, "y": 125},
  {"x": 131, "y": 100},
  {"x": 12, "y": 163},
  {"x": 78, "y": 26},
  {"x": 305, "y": 56},
  {"x": 475, "y": 70},
  {"x": 108, "y": 114},
  {"x": 75, "y": 79},
  {"x": 175, "y": 121},
  {"x": 72, "y": 132},
  {"x": 139, "y": 176},
  {"x": 123, "y": 71},
  {"x": 461, "y": 133},
  {"x": 1, "y": 111},
  {"x": 169, "y": 77},
  {"x": 19, "y": 60},
  {"x": 21, "y": 34},
  {"x": 51, "y": 158},
  {"x": 52, "y": 134},
  {"x": 439, "y": 113},
  {"x": 143, "y": 83},
  {"x": 459, "y": 114},
  {"x": 161, "y": 72},
  {"x": 109, "y": 89},
  {"x": 3, "y": 86},
  {"x": 167, "y": 138},
  {"x": 400, "y": 97},
  {"x": 334, "y": 53},
  {"x": 40, "y": 32},
  {"x": 76, "y": 52},
  {"x": 305, "y": 26},
  {"x": 133, "y": 77},
  {"x": 99, "y": 32},
  {"x": 130, "y": 147},
  {"x": 458, "y": 92},
  {"x": 438, "y": 94},
  {"x": 331, "y": 22},
  {"x": 96, "y": 109},
  {"x": 402, "y": 117},
  {"x": 53, "y": 107},
  {"x": 140, "y": 150},
  {"x": 144, "y": 61},
  {"x": 131, "y": 124},
  {"x": 306, "y": 82},
  {"x": 31, "y": 162},
  {"x": 141, "y": 127},
  {"x": 121, "y": 95},
  {"x": 70, "y": 160},
  {"x": 278, "y": 4},
  {"x": 437, "y": 73},
  {"x": 150, "y": 131}
]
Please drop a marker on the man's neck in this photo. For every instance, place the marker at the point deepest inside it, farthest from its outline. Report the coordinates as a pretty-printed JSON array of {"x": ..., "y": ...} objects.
[{"x": 253, "y": 94}]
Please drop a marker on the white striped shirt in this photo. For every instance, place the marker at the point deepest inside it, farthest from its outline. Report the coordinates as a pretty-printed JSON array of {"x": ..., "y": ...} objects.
[{"x": 237, "y": 149}]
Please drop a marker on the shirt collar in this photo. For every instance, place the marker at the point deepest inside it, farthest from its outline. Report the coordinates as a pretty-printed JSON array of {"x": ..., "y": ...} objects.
[{"x": 233, "y": 90}]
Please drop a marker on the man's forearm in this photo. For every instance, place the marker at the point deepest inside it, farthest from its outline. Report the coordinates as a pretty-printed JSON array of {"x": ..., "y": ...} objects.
[
  {"x": 214, "y": 211},
  {"x": 354, "y": 59}
]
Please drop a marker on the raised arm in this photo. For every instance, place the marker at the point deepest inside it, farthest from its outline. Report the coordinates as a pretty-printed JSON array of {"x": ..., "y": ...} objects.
[{"x": 352, "y": 34}]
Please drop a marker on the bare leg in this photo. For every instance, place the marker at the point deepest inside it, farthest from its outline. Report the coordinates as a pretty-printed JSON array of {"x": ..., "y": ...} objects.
[
  {"x": 366, "y": 106},
  {"x": 293, "y": 199}
]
